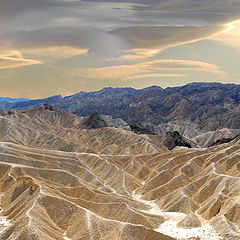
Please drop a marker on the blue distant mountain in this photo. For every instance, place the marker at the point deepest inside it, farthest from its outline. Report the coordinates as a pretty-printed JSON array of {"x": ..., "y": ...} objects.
[
  {"x": 12, "y": 100},
  {"x": 209, "y": 105},
  {"x": 23, "y": 103}
]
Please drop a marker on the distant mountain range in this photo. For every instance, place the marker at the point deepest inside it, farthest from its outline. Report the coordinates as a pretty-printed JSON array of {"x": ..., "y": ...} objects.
[
  {"x": 209, "y": 106},
  {"x": 12, "y": 100}
]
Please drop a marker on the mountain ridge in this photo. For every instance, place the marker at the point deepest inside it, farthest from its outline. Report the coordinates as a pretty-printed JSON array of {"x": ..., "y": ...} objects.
[
  {"x": 208, "y": 105},
  {"x": 9, "y": 99}
]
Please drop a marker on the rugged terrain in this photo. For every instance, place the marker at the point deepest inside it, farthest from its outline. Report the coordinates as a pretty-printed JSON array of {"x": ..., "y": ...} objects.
[
  {"x": 210, "y": 106},
  {"x": 64, "y": 177}
]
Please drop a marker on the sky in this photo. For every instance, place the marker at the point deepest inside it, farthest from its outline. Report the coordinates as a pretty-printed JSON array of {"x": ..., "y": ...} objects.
[{"x": 51, "y": 47}]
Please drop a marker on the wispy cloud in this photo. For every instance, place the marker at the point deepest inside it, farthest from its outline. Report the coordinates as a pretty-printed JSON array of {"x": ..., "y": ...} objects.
[
  {"x": 230, "y": 35},
  {"x": 156, "y": 68},
  {"x": 164, "y": 37},
  {"x": 53, "y": 52},
  {"x": 106, "y": 27},
  {"x": 13, "y": 59},
  {"x": 111, "y": 41}
]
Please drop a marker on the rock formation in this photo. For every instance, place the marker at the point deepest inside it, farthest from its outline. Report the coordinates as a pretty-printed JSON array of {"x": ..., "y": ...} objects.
[
  {"x": 140, "y": 129},
  {"x": 174, "y": 139},
  {"x": 94, "y": 121},
  {"x": 61, "y": 181},
  {"x": 224, "y": 140}
]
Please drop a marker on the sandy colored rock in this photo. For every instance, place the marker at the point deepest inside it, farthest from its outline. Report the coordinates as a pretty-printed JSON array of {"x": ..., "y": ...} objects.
[
  {"x": 59, "y": 181},
  {"x": 190, "y": 221}
]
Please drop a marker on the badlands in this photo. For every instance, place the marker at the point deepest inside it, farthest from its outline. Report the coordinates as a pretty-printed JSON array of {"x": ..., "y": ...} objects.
[{"x": 60, "y": 180}]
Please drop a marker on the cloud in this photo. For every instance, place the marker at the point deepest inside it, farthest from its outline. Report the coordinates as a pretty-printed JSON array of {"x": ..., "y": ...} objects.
[
  {"x": 154, "y": 75},
  {"x": 107, "y": 27},
  {"x": 149, "y": 41},
  {"x": 164, "y": 37},
  {"x": 98, "y": 42},
  {"x": 109, "y": 42},
  {"x": 151, "y": 69},
  {"x": 69, "y": 23},
  {"x": 54, "y": 52},
  {"x": 137, "y": 54},
  {"x": 181, "y": 65},
  {"x": 13, "y": 59},
  {"x": 231, "y": 35}
]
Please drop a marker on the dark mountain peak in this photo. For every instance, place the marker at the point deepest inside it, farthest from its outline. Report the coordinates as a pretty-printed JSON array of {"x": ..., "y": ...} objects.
[
  {"x": 174, "y": 139},
  {"x": 204, "y": 84},
  {"x": 54, "y": 98},
  {"x": 107, "y": 92},
  {"x": 140, "y": 129},
  {"x": 51, "y": 107},
  {"x": 116, "y": 91},
  {"x": 94, "y": 121},
  {"x": 43, "y": 107},
  {"x": 154, "y": 87}
]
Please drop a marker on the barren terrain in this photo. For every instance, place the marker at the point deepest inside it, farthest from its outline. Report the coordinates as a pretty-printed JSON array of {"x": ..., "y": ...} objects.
[{"x": 61, "y": 181}]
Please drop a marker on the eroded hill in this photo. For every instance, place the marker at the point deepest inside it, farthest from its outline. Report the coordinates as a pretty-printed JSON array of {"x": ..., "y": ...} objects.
[{"x": 59, "y": 180}]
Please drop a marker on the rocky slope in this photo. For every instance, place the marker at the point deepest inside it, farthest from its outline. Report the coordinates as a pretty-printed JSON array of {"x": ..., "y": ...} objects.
[
  {"x": 170, "y": 133},
  {"x": 59, "y": 180},
  {"x": 174, "y": 139},
  {"x": 210, "y": 106}
]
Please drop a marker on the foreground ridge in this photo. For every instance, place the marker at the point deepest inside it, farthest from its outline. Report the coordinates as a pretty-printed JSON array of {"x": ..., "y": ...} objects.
[{"x": 59, "y": 180}]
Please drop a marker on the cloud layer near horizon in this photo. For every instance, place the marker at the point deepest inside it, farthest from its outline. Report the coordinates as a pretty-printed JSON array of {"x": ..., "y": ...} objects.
[{"x": 89, "y": 43}]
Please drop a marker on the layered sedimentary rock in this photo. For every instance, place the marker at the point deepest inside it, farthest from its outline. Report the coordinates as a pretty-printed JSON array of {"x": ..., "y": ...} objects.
[{"x": 59, "y": 180}]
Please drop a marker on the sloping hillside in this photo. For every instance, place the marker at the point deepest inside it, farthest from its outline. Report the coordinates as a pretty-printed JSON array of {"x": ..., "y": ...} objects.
[{"x": 61, "y": 181}]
